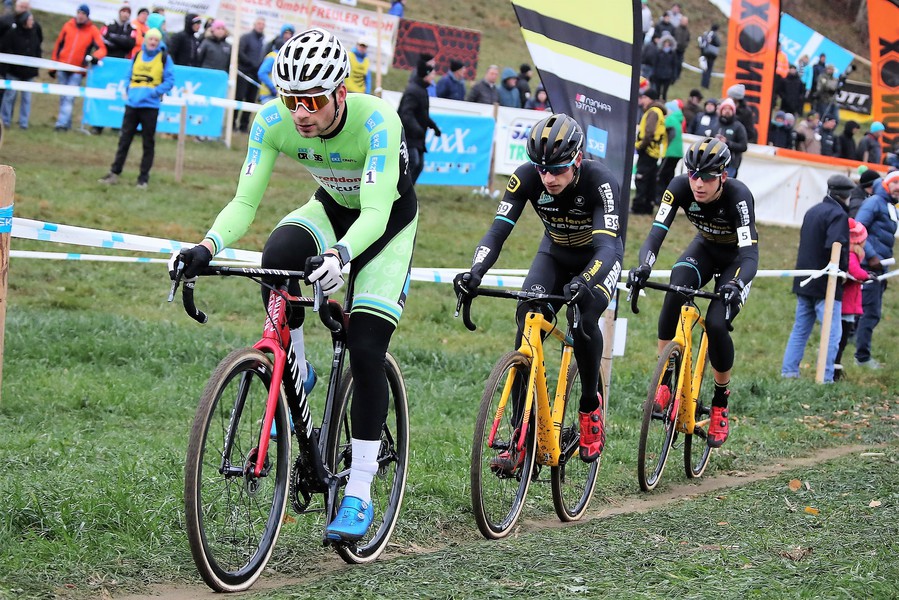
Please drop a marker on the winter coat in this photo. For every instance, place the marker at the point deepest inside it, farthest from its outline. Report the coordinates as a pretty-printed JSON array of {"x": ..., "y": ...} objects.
[
  {"x": 674, "y": 123},
  {"x": 780, "y": 136},
  {"x": 509, "y": 96},
  {"x": 848, "y": 148},
  {"x": 871, "y": 146},
  {"x": 735, "y": 134},
  {"x": 251, "y": 51},
  {"x": 822, "y": 225},
  {"x": 450, "y": 87},
  {"x": 665, "y": 66},
  {"x": 75, "y": 40},
  {"x": 414, "y": 112},
  {"x": 183, "y": 45},
  {"x": 852, "y": 290},
  {"x": 792, "y": 94},
  {"x": 21, "y": 41},
  {"x": 483, "y": 93},
  {"x": 878, "y": 215},
  {"x": 809, "y": 139},
  {"x": 743, "y": 114},
  {"x": 704, "y": 124},
  {"x": 830, "y": 142},
  {"x": 144, "y": 96},
  {"x": 119, "y": 38},
  {"x": 214, "y": 53}
]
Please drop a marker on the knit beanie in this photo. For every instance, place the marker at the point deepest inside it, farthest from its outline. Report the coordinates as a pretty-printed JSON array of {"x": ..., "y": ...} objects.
[{"x": 422, "y": 68}]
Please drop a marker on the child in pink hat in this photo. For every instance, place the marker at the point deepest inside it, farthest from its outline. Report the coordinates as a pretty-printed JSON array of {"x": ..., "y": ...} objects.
[{"x": 852, "y": 290}]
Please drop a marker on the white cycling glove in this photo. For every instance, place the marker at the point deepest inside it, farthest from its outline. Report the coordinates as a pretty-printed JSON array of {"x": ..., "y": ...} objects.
[{"x": 329, "y": 274}]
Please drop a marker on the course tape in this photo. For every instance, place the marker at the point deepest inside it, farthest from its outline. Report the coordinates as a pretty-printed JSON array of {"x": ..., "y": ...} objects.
[
  {"x": 97, "y": 238},
  {"x": 107, "y": 94}
]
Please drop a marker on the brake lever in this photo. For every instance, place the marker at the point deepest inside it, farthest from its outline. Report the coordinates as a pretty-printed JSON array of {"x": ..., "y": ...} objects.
[{"x": 176, "y": 280}]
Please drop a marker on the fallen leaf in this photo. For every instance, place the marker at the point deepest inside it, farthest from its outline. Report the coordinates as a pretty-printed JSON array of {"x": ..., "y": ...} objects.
[
  {"x": 808, "y": 486},
  {"x": 874, "y": 503},
  {"x": 811, "y": 510},
  {"x": 722, "y": 522},
  {"x": 795, "y": 484},
  {"x": 797, "y": 553},
  {"x": 806, "y": 406}
]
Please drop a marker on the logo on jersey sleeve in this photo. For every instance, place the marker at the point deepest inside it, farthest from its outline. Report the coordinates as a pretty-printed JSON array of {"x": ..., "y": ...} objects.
[
  {"x": 608, "y": 198},
  {"x": 378, "y": 140},
  {"x": 376, "y": 165},
  {"x": 374, "y": 121},
  {"x": 480, "y": 254},
  {"x": 743, "y": 209},
  {"x": 258, "y": 133},
  {"x": 611, "y": 279},
  {"x": 593, "y": 270},
  {"x": 668, "y": 197},
  {"x": 271, "y": 115},
  {"x": 514, "y": 184}
]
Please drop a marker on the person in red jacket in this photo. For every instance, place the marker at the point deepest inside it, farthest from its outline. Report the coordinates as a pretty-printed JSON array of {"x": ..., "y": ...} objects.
[{"x": 73, "y": 47}]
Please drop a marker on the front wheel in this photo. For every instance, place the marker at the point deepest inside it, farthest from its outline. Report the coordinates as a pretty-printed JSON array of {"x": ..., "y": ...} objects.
[
  {"x": 233, "y": 516},
  {"x": 658, "y": 430},
  {"x": 500, "y": 471},
  {"x": 389, "y": 483},
  {"x": 573, "y": 480}
]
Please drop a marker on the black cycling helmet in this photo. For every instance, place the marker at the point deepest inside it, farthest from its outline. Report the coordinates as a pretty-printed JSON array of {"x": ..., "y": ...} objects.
[
  {"x": 707, "y": 155},
  {"x": 555, "y": 140}
]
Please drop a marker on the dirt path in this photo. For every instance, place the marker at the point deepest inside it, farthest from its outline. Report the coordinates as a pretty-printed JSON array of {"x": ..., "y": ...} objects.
[{"x": 638, "y": 504}]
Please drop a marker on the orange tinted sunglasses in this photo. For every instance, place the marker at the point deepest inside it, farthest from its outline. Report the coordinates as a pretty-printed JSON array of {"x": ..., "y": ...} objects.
[{"x": 312, "y": 104}]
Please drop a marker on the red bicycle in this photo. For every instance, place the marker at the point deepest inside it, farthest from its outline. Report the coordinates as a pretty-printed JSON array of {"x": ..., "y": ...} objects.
[{"x": 238, "y": 478}]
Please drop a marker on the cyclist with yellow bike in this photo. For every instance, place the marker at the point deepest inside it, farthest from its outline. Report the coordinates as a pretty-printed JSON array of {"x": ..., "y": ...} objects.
[
  {"x": 579, "y": 255},
  {"x": 726, "y": 248},
  {"x": 364, "y": 213}
]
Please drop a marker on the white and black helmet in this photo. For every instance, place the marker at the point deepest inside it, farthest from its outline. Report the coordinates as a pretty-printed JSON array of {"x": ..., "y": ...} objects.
[{"x": 311, "y": 59}]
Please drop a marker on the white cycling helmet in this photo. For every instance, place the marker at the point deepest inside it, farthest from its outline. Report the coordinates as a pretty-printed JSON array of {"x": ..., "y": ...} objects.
[{"x": 311, "y": 59}]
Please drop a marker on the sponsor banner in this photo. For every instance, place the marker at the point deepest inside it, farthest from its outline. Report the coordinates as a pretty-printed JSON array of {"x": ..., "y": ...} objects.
[
  {"x": 513, "y": 126},
  {"x": 855, "y": 96},
  {"x": 347, "y": 23},
  {"x": 751, "y": 55},
  {"x": 203, "y": 119},
  {"x": 457, "y": 156},
  {"x": 797, "y": 38},
  {"x": 443, "y": 42},
  {"x": 883, "y": 28},
  {"x": 574, "y": 43}
]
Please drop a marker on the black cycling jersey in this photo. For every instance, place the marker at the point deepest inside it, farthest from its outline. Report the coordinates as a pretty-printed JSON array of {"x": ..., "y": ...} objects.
[
  {"x": 581, "y": 241},
  {"x": 584, "y": 218},
  {"x": 726, "y": 226}
]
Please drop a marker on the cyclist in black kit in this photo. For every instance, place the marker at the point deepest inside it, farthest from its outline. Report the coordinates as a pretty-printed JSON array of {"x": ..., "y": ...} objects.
[
  {"x": 580, "y": 253},
  {"x": 726, "y": 247}
]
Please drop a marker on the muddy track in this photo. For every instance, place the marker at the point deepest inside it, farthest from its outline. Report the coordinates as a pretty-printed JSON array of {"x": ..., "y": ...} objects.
[{"x": 629, "y": 505}]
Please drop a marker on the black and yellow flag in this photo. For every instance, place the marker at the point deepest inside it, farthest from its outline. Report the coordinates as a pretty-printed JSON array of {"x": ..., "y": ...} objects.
[{"x": 588, "y": 56}]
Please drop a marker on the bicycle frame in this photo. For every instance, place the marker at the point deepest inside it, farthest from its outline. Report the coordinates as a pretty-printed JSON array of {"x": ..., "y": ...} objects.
[
  {"x": 689, "y": 379},
  {"x": 549, "y": 417}
]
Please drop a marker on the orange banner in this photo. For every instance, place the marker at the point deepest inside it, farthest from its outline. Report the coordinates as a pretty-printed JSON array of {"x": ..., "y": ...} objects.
[
  {"x": 883, "y": 27},
  {"x": 751, "y": 56}
]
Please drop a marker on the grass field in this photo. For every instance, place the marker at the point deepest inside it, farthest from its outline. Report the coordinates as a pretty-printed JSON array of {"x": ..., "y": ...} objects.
[{"x": 101, "y": 378}]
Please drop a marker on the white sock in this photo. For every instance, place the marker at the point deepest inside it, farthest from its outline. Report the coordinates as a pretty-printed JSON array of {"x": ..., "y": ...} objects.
[
  {"x": 365, "y": 465},
  {"x": 299, "y": 349}
]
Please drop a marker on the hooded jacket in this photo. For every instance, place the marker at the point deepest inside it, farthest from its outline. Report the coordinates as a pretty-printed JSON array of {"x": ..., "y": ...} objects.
[
  {"x": 509, "y": 96},
  {"x": 183, "y": 45},
  {"x": 822, "y": 225},
  {"x": 144, "y": 93},
  {"x": 878, "y": 214},
  {"x": 414, "y": 112},
  {"x": 74, "y": 40}
]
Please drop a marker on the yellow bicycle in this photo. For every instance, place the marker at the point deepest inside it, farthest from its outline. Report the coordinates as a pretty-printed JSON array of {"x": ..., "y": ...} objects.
[
  {"x": 674, "y": 404},
  {"x": 518, "y": 430}
]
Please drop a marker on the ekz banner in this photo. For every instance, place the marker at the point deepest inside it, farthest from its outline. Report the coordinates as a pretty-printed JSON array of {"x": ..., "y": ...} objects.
[
  {"x": 443, "y": 42},
  {"x": 883, "y": 27},
  {"x": 457, "y": 156},
  {"x": 202, "y": 120},
  {"x": 571, "y": 43},
  {"x": 751, "y": 53}
]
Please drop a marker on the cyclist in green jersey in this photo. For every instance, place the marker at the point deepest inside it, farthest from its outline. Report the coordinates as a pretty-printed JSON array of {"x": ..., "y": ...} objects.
[{"x": 363, "y": 215}]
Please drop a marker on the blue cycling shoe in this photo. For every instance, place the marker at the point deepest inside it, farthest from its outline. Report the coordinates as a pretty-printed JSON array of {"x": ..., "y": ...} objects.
[
  {"x": 353, "y": 519},
  {"x": 311, "y": 378}
]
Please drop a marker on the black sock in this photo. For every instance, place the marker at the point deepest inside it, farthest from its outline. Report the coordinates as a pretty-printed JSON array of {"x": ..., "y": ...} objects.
[{"x": 721, "y": 394}]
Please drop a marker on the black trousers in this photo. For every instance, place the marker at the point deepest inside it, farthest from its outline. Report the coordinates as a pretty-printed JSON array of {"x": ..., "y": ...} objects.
[
  {"x": 146, "y": 118},
  {"x": 645, "y": 183},
  {"x": 246, "y": 92}
]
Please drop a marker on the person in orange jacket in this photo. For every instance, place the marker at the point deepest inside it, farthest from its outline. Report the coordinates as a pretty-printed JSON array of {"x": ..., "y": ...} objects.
[
  {"x": 140, "y": 28},
  {"x": 72, "y": 47}
]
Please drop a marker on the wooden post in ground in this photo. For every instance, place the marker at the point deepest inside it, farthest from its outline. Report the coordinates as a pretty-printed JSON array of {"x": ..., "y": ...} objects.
[
  {"x": 179, "y": 151},
  {"x": 7, "y": 193},
  {"x": 827, "y": 319}
]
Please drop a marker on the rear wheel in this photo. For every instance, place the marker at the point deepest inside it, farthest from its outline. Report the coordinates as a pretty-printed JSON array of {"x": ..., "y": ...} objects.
[
  {"x": 696, "y": 448},
  {"x": 389, "y": 484},
  {"x": 573, "y": 480},
  {"x": 497, "y": 493},
  {"x": 658, "y": 432},
  {"x": 233, "y": 516}
]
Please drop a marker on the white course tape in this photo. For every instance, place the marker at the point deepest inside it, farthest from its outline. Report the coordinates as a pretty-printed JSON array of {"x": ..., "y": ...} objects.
[{"x": 107, "y": 94}]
